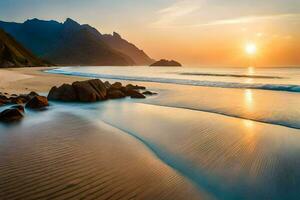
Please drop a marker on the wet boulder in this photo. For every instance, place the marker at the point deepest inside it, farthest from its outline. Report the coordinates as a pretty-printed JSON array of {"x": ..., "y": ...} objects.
[
  {"x": 19, "y": 107},
  {"x": 115, "y": 94},
  {"x": 65, "y": 93},
  {"x": 135, "y": 87},
  {"x": 11, "y": 115},
  {"x": 135, "y": 94},
  {"x": 90, "y": 91},
  {"x": 149, "y": 93},
  {"x": 18, "y": 100},
  {"x": 107, "y": 85},
  {"x": 116, "y": 86},
  {"x": 37, "y": 102}
]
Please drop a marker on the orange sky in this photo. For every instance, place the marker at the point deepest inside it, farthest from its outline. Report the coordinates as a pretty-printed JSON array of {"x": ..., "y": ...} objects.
[{"x": 194, "y": 32}]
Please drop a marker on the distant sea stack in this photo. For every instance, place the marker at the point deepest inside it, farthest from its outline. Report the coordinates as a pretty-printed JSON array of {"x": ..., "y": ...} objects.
[
  {"x": 70, "y": 43},
  {"x": 13, "y": 54},
  {"x": 166, "y": 63}
]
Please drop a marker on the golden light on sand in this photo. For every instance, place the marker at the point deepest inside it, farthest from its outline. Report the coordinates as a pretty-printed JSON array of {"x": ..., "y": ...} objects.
[
  {"x": 250, "y": 70},
  {"x": 250, "y": 48}
]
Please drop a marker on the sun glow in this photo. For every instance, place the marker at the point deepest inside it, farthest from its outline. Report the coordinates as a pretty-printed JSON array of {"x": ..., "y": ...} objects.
[{"x": 250, "y": 48}]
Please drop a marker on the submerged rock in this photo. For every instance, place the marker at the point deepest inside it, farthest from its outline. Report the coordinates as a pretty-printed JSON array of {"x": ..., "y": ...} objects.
[
  {"x": 37, "y": 102},
  {"x": 19, "y": 107},
  {"x": 149, "y": 93},
  {"x": 135, "y": 94},
  {"x": 11, "y": 115}
]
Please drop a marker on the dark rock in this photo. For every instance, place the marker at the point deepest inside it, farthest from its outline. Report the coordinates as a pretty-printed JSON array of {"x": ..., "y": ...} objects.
[
  {"x": 107, "y": 85},
  {"x": 116, "y": 86},
  {"x": 32, "y": 94},
  {"x": 115, "y": 94},
  {"x": 19, "y": 107},
  {"x": 65, "y": 92},
  {"x": 135, "y": 94},
  {"x": 18, "y": 100},
  {"x": 37, "y": 102},
  {"x": 135, "y": 87},
  {"x": 149, "y": 93},
  {"x": 166, "y": 63},
  {"x": 90, "y": 91},
  {"x": 4, "y": 100},
  {"x": 11, "y": 115}
]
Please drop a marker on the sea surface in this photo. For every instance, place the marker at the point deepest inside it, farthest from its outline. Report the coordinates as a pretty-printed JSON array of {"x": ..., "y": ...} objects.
[{"x": 210, "y": 133}]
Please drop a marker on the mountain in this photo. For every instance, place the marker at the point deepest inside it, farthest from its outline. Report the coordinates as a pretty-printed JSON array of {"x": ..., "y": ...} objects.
[
  {"x": 13, "y": 54},
  {"x": 166, "y": 63},
  {"x": 120, "y": 44},
  {"x": 70, "y": 43}
]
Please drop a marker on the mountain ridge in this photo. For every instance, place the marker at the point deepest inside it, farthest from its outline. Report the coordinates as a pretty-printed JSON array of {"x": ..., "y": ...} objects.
[
  {"x": 70, "y": 43},
  {"x": 13, "y": 54}
]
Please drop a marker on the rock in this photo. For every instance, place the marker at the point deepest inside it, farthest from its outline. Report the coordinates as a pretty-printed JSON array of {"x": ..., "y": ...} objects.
[
  {"x": 4, "y": 100},
  {"x": 19, "y": 107},
  {"x": 32, "y": 94},
  {"x": 166, "y": 63},
  {"x": 65, "y": 92},
  {"x": 107, "y": 85},
  {"x": 135, "y": 94},
  {"x": 116, "y": 86},
  {"x": 11, "y": 115},
  {"x": 149, "y": 93},
  {"x": 37, "y": 102},
  {"x": 135, "y": 87},
  {"x": 90, "y": 91},
  {"x": 18, "y": 100},
  {"x": 115, "y": 94}
]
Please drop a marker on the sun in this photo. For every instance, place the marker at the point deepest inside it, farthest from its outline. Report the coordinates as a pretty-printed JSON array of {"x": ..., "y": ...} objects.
[{"x": 250, "y": 48}]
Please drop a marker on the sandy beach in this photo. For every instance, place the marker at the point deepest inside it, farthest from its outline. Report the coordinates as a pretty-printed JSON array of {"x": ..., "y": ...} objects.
[{"x": 183, "y": 143}]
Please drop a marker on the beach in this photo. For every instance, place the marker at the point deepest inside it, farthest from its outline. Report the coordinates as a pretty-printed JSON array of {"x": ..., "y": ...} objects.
[{"x": 193, "y": 140}]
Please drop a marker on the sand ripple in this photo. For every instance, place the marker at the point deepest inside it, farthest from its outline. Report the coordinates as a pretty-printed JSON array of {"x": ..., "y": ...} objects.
[{"x": 70, "y": 158}]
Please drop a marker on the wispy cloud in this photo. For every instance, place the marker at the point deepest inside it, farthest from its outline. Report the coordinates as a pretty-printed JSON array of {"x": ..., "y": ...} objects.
[
  {"x": 251, "y": 19},
  {"x": 167, "y": 16}
]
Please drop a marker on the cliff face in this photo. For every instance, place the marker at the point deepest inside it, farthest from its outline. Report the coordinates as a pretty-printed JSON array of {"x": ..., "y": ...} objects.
[
  {"x": 13, "y": 54},
  {"x": 70, "y": 43}
]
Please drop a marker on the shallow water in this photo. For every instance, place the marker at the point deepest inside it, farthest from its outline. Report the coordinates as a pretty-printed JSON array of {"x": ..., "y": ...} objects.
[{"x": 278, "y": 79}]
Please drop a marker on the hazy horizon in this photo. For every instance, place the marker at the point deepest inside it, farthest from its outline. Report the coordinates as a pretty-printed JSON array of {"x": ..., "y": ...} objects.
[{"x": 194, "y": 32}]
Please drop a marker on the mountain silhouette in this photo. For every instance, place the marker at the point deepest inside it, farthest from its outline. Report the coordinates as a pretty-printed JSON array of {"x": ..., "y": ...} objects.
[
  {"x": 70, "y": 43},
  {"x": 13, "y": 54}
]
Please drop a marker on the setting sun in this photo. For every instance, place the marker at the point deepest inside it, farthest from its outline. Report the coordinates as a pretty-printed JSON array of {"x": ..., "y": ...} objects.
[{"x": 250, "y": 48}]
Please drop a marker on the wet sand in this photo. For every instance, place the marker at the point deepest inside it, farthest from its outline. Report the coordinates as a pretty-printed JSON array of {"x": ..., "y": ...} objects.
[{"x": 47, "y": 159}]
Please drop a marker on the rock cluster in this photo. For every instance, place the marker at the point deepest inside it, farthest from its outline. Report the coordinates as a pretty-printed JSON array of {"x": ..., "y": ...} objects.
[
  {"x": 81, "y": 91},
  {"x": 16, "y": 111},
  {"x": 95, "y": 90}
]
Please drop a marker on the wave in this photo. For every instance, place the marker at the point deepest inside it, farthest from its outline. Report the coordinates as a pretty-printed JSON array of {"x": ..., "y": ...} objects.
[
  {"x": 274, "y": 87},
  {"x": 232, "y": 75}
]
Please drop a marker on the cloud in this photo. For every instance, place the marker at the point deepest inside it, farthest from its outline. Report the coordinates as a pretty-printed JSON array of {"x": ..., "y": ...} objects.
[
  {"x": 180, "y": 9},
  {"x": 251, "y": 19}
]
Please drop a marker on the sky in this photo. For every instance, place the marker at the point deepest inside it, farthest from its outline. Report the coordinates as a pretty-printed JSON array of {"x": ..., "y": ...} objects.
[{"x": 194, "y": 32}]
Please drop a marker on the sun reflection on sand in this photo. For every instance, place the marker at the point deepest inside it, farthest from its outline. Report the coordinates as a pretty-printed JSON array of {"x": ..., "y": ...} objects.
[
  {"x": 251, "y": 70},
  {"x": 249, "y": 98}
]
